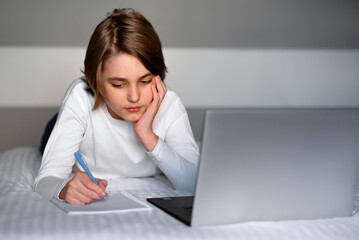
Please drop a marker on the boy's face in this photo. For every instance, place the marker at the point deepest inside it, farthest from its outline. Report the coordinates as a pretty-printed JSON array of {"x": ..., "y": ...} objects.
[{"x": 127, "y": 85}]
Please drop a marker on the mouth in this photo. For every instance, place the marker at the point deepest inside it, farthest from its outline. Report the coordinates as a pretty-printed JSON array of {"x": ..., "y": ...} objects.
[{"x": 133, "y": 109}]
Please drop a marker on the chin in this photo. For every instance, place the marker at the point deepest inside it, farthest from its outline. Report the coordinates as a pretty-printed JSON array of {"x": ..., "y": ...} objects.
[{"x": 132, "y": 118}]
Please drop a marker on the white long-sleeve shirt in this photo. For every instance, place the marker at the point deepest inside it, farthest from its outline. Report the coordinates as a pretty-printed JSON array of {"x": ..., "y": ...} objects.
[{"x": 110, "y": 146}]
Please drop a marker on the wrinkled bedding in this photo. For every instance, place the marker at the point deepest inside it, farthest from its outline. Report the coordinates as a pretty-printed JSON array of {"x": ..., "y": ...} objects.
[{"x": 26, "y": 215}]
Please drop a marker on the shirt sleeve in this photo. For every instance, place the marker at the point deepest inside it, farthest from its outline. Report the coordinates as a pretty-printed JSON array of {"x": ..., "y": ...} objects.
[
  {"x": 58, "y": 158},
  {"x": 50, "y": 187},
  {"x": 177, "y": 155}
]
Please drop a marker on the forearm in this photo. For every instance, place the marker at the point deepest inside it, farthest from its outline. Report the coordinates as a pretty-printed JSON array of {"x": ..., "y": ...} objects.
[
  {"x": 180, "y": 171},
  {"x": 50, "y": 187},
  {"x": 149, "y": 140}
]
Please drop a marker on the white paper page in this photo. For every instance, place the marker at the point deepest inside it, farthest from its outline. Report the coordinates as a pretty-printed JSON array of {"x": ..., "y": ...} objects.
[{"x": 116, "y": 202}]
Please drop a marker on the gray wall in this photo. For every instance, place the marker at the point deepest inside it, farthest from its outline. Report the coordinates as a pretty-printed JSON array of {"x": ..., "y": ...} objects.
[
  {"x": 245, "y": 53},
  {"x": 190, "y": 23}
]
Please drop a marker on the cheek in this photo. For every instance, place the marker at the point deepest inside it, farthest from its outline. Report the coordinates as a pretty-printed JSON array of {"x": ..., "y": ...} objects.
[
  {"x": 148, "y": 94},
  {"x": 114, "y": 98}
]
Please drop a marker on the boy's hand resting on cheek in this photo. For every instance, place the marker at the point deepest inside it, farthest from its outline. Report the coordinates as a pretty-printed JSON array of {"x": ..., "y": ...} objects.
[
  {"x": 143, "y": 127},
  {"x": 82, "y": 190}
]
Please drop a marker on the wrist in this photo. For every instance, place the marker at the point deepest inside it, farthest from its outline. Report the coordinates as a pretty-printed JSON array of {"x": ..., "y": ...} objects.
[
  {"x": 150, "y": 141},
  {"x": 63, "y": 191}
]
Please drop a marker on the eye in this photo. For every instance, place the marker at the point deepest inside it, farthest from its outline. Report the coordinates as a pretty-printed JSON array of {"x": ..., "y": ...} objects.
[
  {"x": 146, "y": 81},
  {"x": 118, "y": 85}
]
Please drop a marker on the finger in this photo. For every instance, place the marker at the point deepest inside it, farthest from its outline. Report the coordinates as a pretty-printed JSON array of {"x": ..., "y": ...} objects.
[
  {"x": 162, "y": 84},
  {"x": 84, "y": 185},
  {"x": 102, "y": 184},
  {"x": 161, "y": 88},
  {"x": 74, "y": 201},
  {"x": 147, "y": 118},
  {"x": 94, "y": 191},
  {"x": 155, "y": 94},
  {"x": 162, "y": 94},
  {"x": 75, "y": 197}
]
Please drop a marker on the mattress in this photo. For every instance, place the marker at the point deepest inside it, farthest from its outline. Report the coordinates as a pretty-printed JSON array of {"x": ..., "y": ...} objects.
[{"x": 26, "y": 215}]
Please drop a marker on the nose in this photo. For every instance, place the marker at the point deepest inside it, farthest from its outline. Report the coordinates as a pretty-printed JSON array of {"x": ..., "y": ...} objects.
[{"x": 133, "y": 94}]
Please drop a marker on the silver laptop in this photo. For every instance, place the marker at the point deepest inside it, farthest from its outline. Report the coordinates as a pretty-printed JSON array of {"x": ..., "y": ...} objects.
[{"x": 269, "y": 165}]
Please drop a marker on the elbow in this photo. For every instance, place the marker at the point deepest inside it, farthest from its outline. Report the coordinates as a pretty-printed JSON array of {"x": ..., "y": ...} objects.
[{"x": 188, "y": 182}]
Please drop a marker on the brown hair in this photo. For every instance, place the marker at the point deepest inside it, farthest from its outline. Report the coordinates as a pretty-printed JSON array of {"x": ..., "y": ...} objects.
[{"x": 126, "y": 31}]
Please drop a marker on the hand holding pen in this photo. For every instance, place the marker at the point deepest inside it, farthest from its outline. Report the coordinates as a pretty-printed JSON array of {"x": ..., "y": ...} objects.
[{"x": 83, "y": 188}]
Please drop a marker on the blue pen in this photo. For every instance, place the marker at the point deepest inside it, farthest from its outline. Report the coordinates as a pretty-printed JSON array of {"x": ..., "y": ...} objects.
[{"x": 83, "y": 164}]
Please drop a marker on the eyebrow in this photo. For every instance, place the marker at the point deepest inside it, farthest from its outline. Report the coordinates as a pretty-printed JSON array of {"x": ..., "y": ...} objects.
[{"x": 124, "y": 79}]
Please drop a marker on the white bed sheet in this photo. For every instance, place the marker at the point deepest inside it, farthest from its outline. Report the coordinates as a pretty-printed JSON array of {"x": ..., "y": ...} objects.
[{"x": 26, "y": 215}]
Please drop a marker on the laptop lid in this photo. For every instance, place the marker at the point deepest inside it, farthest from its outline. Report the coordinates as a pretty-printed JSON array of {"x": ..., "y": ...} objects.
[{"x": 259, "y": 165}]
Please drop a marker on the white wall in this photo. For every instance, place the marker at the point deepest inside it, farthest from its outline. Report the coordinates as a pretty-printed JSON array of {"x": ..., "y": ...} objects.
[
  {"x": 202, "y": 77},
  {"x": 246, "y": 53},
  {"x": 265, "y": 78}
]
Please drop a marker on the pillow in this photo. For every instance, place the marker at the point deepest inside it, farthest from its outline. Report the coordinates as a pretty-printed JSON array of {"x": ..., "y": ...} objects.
[{"x": 19, "y": 167}]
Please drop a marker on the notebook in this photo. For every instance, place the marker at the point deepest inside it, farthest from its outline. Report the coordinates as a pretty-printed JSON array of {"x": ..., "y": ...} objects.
[
  {"x": 117, "y": 202},
  {"x": 270, "y": 165}
]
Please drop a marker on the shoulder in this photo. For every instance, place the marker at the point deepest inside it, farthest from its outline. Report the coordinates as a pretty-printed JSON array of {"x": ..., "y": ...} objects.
[
  {"x": 77, "y": 102},
  {"x": 78, "y": 92},
  {"x": 78, "y": 86},
  {"x": 173, "y": 102},
  {"x": 171, "y": 107}
]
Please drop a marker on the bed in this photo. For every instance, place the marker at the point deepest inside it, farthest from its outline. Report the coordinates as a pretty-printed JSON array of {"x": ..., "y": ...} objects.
[{"x": 26, "y": 215}]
